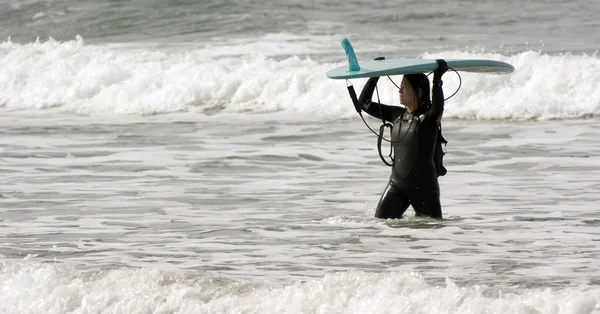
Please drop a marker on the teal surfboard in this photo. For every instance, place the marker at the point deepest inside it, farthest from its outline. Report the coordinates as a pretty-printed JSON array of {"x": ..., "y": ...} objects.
[{"x": 386, "y": 67}]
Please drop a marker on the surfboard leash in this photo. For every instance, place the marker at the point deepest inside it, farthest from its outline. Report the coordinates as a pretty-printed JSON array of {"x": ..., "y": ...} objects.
[
  {"x": 352, "y": 93},
  {"x": 457, "y": 89},
  {"x": 382, "y": 128}
]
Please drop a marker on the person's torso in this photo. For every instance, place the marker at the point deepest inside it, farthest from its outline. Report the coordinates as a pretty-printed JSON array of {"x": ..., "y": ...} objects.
[{"x": 413, "y": 138}]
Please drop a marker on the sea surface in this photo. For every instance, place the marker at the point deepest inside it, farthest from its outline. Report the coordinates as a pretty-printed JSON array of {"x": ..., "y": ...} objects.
[{"x": 192, "y": 157}]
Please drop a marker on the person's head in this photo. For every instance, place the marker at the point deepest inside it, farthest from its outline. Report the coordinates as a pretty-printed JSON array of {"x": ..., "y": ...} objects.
[{"x": 414, "y": 91}]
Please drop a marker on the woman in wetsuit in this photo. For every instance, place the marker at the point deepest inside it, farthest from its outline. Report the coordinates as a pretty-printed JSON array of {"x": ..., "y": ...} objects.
[{"x": 414, "y": 135}]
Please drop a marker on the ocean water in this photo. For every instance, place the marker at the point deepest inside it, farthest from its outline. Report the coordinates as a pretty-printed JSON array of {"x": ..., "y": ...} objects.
[{"x": 184, "y": 157}]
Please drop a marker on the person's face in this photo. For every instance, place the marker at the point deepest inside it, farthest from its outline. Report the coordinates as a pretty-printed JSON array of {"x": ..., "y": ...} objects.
[{"x": 407, "y": 94}]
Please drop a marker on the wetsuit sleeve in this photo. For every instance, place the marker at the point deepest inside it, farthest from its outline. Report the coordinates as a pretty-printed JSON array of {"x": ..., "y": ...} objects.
[
  {"x": 375, "y": 109},
  {"x": 437, "y": 99},
  {"x": 437, "y": 93}
]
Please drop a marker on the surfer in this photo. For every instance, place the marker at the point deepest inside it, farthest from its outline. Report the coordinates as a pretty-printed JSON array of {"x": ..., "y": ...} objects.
[{"x": 414, "y": 135}]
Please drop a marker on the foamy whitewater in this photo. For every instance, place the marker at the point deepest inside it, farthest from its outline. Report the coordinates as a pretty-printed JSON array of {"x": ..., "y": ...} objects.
[{"x": 193, "y": 158}]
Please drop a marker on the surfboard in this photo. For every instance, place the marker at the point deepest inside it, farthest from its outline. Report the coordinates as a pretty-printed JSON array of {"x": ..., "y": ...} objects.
[{"x": 411, "y": 66}]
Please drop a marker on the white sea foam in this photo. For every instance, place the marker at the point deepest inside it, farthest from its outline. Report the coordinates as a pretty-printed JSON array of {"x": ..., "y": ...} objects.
[
  {"x": 29, "y": 287},
  {"x": 130, "y": 79}
]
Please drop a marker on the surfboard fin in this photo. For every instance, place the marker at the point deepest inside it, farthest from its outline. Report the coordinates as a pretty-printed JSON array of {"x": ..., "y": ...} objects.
[{"x": 352, "y": 61}]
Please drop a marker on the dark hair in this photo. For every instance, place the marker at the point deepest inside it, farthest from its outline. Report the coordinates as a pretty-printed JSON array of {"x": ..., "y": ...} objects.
[{"x": 421, "y": 81}]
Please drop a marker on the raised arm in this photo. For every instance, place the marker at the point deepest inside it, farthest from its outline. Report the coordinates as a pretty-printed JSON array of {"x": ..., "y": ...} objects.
[
  {"x": 437, "y": 93},
  {"x": 375, "y": 109}
]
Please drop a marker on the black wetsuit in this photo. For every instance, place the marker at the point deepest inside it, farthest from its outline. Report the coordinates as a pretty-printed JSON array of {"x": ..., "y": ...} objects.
[{"x": 414, "y": 179}]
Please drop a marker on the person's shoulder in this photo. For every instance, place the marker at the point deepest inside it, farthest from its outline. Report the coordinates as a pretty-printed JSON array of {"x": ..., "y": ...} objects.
[
  {"x": 430, "y": 116},
  {"x": 397, "y": 112}
]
